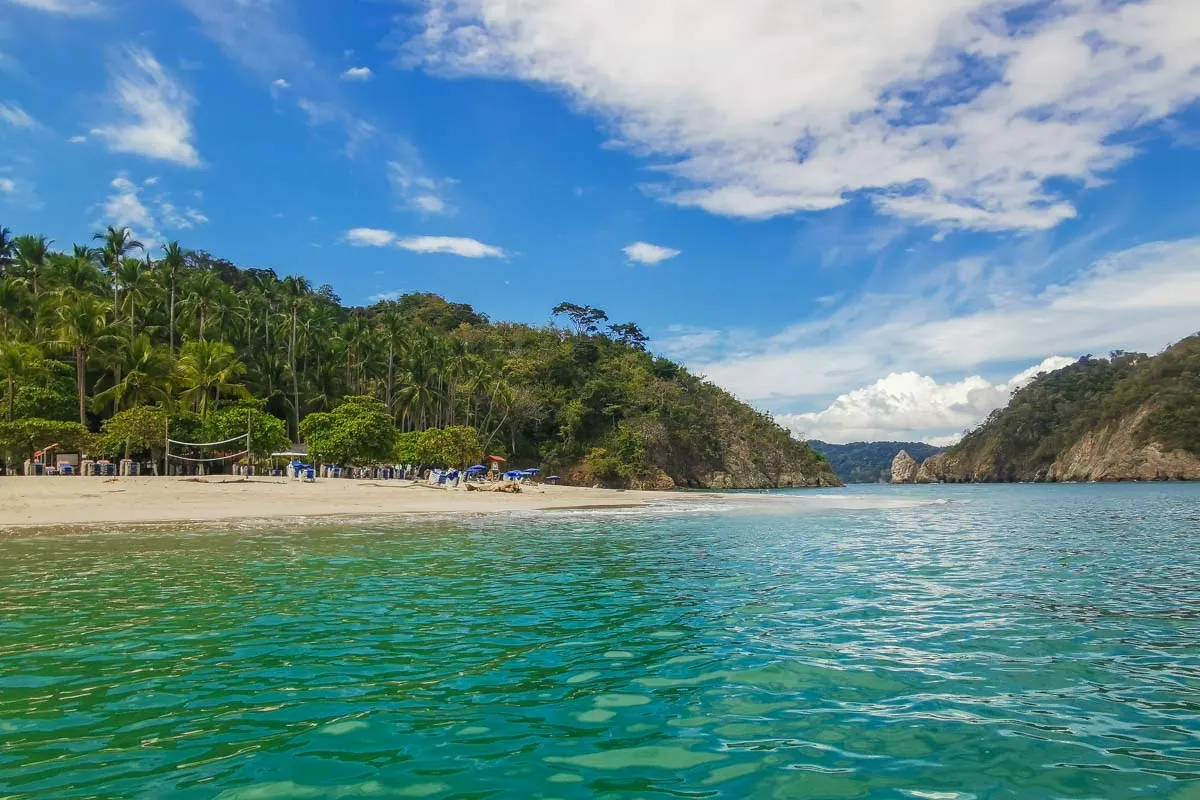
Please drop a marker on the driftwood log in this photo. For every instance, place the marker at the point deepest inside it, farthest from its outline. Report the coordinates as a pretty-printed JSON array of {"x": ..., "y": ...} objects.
[{"x": 507, "y": 488}]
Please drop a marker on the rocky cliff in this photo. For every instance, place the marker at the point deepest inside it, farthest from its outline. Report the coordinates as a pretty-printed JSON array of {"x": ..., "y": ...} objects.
[
  {"x": 1129, "y": 417},
  {"x": 904, "y": 468}
]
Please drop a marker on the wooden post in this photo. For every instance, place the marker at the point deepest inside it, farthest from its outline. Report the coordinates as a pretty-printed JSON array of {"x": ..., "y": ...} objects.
[{"x": 167, "y": 448}]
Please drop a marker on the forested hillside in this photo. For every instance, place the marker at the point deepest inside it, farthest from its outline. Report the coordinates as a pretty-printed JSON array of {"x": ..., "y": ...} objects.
[
  {"x": 869, "y": 462},
  {"x": 89, "y": 334},
  {"x": 1129, "y": 416}
]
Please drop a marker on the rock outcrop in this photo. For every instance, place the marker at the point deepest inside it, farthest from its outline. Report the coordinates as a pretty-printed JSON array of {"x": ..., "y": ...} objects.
[
  {"x": 1115, "y": 453},
  {"x": 904, "y": 468}
]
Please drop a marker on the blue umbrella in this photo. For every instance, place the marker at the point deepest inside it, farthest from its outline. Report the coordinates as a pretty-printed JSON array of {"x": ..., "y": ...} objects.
[
  {"x": 533, "y": 471},
  {"x": 554, "y": 478},
  {"x": 477, "y": 468}
]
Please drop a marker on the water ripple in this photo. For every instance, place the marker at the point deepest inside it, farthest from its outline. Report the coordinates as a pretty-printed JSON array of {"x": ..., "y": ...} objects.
[{"x": 1033, "y": 642}]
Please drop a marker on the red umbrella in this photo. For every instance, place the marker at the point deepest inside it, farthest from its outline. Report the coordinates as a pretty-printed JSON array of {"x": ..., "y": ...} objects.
[{"x": 497, "y": 459}]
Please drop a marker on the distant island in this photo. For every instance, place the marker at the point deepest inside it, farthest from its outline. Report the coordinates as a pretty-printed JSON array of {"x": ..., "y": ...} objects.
[
  {"x": 869, "y": 462},
  {"x": 106, "y": 345},
  {"x": 1128, "y": 417}
]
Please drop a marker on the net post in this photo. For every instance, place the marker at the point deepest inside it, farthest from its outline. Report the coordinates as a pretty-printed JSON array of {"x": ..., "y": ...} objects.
[
  {"x": 249, "y": 421},
  {"x": 167, "y": 447}
]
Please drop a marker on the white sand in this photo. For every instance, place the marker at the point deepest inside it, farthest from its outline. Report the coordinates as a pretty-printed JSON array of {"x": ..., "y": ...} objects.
[{"x": 61, "y": 502}]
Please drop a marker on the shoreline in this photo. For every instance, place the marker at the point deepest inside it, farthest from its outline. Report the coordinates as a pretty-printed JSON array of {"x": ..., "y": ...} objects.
[{"x": 83, "y": 504}]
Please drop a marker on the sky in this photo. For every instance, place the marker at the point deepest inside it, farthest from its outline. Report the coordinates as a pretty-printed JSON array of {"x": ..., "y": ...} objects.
[{"x": 874, "y": 220}]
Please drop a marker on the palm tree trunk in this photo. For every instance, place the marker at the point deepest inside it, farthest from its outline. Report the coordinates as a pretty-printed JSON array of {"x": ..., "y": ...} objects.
[
  {"x": 171, "y": 318},
  {"x": 12, "y": 396},
  {"x": 295, "y": 378},
  {"x": 387, "y": 391},
  {"x": 80, "y": 381}
]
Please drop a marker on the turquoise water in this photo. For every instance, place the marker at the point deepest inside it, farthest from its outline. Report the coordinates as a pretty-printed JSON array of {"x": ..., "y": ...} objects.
[{"x": 1017, "y": 641}]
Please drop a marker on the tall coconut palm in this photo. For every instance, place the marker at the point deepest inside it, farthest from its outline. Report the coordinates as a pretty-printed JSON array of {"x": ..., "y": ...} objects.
[
  {"x": 32, "y": 256},
  {"x": 170, "y": 270},
  {"x": 83, "y": 326},
  {"x": 15, "y": 306},
  {"x": 145, "y": 374},
  {"x": 18, "y": 361},
  {"x": 296, "y": 290},
  {"x": 117, "y": 243},
  {"x": 208, "y": 370},
  {"x": 136, "y": 279},
  {"x": 204, "y": 293},
  {"x": 78, "y": 272},
  {"x": 6, "y": 250}
]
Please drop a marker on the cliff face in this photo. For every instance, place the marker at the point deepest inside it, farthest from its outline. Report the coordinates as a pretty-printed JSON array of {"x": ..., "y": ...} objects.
[
  {"x": 904, "y": 468},
  {"x": 1131, "y": 417}
]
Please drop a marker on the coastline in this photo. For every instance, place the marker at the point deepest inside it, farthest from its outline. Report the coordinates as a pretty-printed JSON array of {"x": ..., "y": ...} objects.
[{"x": 83, "y": 504}]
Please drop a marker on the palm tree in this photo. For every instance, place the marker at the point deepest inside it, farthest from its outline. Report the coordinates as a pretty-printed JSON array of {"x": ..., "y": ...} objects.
[
  {"x": 13, "y": 306},
  {"x": 118, "y": 242},
  {"x": 136, "y": 277},
  {"x": 296, "y": 290},
  {"x": 145, "y": 374},
  {"x": 207, "y": 370},
  {"x": 170, "y": 269},
  {"x": 32, "y": 254},
  {"x": 78, "y": 272},
  {"x": 205, "y": 291},
  {"x": 6, "y": 250},
  {"x": 83, "y": 325},
  {"x": 17, "y": 362}
]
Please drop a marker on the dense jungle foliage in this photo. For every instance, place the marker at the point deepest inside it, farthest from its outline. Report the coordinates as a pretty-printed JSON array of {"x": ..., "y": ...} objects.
[{"x": 869, "y": 462}]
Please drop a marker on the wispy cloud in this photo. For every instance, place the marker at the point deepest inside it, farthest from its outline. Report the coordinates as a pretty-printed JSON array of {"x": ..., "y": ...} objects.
[
  {"x": 156, "y": 112},
  {"x": 357, "y": 74},
  {"x": 280, "y": 83},
  {"x": 71, "y": 7},
  {"x": 78, "y": 139},
  {"x": 963, "y": 113},
  {"x": 8, "y": 186},
  {"x": 452, "y": 245},
  {"x": 14, "y": 115},
  {"x": 129, "y": 206},
  {"x": 1137, "y": 299},
  {"x": 649, "y": 254}
]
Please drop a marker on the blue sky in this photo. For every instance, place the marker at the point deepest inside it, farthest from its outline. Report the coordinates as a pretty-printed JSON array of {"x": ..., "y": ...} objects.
[{"x": 872, "y": 222}]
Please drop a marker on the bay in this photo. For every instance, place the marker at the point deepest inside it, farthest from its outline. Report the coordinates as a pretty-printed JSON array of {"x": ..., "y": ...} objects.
[{"x": 873, "y": 642}]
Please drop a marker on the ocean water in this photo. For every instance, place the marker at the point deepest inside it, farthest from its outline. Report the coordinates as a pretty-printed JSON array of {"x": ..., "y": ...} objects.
[{"x": 910, "y": 642}]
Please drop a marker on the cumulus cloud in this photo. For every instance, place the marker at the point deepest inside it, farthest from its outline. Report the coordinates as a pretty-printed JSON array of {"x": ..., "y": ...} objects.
[
  {"x": 649, "y": 254},
  {"x": 156, "y": 112},
  {"x": 357, "y": 74},
  {"x": 908, "y": 406},
  {"x": 453, "y": 245},
  {"x": 1138, "y": 299},
  {"x": 280, "y": 83},
  {"x": 16, "y": 116},
  {"x": 129, "y": 207},
  {"x": 959, "y": 113},
  {"x": 7, "y": 186}
]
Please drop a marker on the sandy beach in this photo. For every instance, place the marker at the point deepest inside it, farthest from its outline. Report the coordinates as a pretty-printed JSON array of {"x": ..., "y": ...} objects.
[{"x": 100, "y": 503}]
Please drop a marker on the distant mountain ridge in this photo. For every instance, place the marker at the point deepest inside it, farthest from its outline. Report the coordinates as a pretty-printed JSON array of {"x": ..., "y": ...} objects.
[
  {"x": 1127, "y": 417},
  {"x": 869, "y": 462}
]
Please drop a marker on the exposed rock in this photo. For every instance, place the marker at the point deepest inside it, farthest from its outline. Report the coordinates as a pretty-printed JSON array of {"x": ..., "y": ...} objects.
[
  {"x": 904, "y": 468},
  {"x": 1114, "y": 454}
]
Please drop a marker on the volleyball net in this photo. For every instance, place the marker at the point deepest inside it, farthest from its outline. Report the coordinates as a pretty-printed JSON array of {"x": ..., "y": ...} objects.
[{"x": 195, "y": 450}]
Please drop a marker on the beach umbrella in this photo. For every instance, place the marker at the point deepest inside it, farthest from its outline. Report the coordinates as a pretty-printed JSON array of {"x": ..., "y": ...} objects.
[
  {"x": 477, "y": 468},
  {"x": 496, "y": 459},
  {"x": 533, "y": 471},
  {"x": 554, "y": 479}
]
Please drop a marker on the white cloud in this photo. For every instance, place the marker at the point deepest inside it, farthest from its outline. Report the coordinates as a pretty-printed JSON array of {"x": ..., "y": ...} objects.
[
  {"x": 156, "y": 121},
  {"x": 382, "y": 296},
  {"x": 907, "y": 406},
  {"x": 128, "y": 207},
  {"x": 151, "y": 181},
  {"x": 16, "y": 116},
  {"x": 357, "y": 74},
  {"x": 649, "y": 254},
  {"x": 72, "y": 7},
  {"x": 7, "y": 186},
  {"x": 280, "y": 83},
  {"x": 77, "y": 139},
  {"x": 370, "y": 237},
  {"x": 966, "y": 113},
  {"x": 416, "y": 190},
  {"x": 430, "y": 204},
  {"x": 453, "y": 245},
  {"x": 1138, "y": 299}
]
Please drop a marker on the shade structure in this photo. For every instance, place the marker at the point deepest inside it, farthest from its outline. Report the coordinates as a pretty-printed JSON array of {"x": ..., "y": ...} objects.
[
  {"x": 496, "y": 459},
  {"x": 534, "y": 471},
  {"x": 554, "y": 478},
  {"x": 477, "y": 468}
]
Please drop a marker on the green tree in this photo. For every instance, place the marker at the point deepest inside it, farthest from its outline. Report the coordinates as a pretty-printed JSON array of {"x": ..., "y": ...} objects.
[
  {"x": 268, "y": 433},
  {"x": 20, "y": 439},
  {"x": 145, "y": 371},
  {"x": 359, "y": 431},
  {"x": 83, "y": 326},
  {"x": 170, "y": 270},
  {"x": 116, "y": 243},
  {"x": 207, "y": 371},
  {"x": 18, "y": 361},
  {"x": 135, "y": 430}
]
